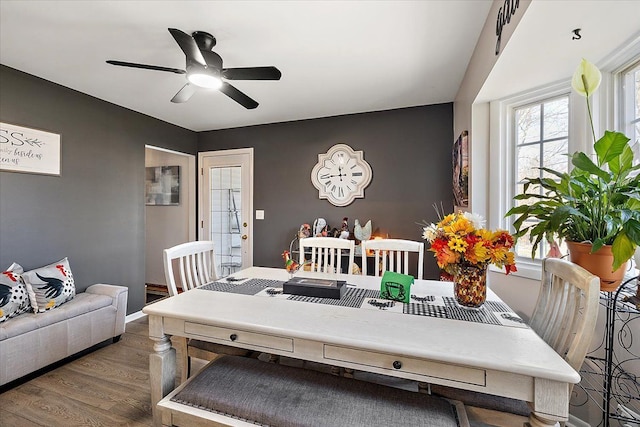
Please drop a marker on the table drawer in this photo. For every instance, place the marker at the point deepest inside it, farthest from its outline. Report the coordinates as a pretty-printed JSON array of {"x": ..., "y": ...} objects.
[
  {"x": 397, "y": 363},
  {"x": 221, "y": 335}
]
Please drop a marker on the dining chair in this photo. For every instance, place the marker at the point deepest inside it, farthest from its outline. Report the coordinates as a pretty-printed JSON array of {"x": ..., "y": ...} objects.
[
  {"x": 196, "y": 266},
  {"x": 564, "y": 317},
  {"x": 392, "y": 255},
  {"x": 327, "y": 254}
]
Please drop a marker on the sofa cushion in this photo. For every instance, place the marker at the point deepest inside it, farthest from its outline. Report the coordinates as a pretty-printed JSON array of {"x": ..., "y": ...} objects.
[
  {"x": 14, "y": 299},
  {"x": 50, "y": 286},
  {"x": 82, "y": 303}
]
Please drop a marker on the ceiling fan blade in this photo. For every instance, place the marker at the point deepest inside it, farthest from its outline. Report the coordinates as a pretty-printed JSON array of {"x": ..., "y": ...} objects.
[
  {"x": 146, "y": 67},
  {"x": 184, "y": 94},
  {"x": 188, "y": 45},
  {"x": 252, "y": 73},
  {"x": 238, "y": 96}
]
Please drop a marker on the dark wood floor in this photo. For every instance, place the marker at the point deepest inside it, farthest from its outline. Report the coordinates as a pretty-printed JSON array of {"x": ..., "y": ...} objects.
[{"x": 107, "y": 387}]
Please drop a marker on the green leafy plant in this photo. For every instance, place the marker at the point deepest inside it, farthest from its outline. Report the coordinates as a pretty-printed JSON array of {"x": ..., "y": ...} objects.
[{"x": 596, "y": 202}]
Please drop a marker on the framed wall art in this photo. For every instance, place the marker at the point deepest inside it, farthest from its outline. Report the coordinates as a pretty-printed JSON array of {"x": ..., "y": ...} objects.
[
  {"x": 460, "y": 157},
  {"x": 162, "y": 185},
  {"x": 29, "y": 150}
]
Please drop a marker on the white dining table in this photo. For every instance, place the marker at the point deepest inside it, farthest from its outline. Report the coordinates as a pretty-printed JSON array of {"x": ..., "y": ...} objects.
[{"x": 507, "y": 360}]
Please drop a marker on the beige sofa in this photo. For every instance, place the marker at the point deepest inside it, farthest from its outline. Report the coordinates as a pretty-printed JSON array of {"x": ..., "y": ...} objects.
[{"x": 32, "y": 341}]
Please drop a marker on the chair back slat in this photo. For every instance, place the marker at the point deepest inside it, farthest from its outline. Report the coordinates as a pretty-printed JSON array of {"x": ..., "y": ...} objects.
[
  {"x": 327, "y": 254},
  {"x": 567, "y": 309},
  {"x": 195, "y": 263},
  {"x": 392, "y": 255}
]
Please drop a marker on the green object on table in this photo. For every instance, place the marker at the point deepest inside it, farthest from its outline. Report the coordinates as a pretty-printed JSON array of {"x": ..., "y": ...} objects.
[{"x": 396, "y": 286}]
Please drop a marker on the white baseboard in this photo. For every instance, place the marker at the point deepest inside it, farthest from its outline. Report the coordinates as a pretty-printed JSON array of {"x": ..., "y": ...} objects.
[{"x": 134, "y": 316}]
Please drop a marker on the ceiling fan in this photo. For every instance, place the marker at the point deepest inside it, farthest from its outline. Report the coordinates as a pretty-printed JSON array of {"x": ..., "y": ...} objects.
[{"x": 204, "y": 69}]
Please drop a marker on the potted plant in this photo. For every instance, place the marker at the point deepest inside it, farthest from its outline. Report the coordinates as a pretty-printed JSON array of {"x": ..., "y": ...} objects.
[{"x": 595, "y": 207}]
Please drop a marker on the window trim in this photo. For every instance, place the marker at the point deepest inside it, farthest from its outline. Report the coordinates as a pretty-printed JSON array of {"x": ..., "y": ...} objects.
[
  {"x": 622, "y": 100},
  {"x": 502, "y": 152}
]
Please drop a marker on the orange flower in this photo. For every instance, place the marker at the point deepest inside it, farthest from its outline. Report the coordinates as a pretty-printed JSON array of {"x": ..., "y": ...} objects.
[{"x": 445, "y": 257}]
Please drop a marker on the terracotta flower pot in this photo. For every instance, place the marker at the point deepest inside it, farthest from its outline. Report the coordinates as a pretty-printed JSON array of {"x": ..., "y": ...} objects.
[{"x": 598, "y": 263}]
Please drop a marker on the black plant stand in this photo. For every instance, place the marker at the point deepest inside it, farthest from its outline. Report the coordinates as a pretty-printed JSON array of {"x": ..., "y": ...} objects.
[{"x": 617, "y": 392}]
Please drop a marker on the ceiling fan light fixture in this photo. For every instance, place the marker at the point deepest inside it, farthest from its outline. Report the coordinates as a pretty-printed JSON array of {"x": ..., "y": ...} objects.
[
  {"x": 205, "y": 80},
  {"x": 203, "y": 69}
]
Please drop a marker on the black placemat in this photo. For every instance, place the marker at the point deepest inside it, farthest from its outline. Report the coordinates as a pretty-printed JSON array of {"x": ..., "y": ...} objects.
[
  {"x": 250, "y": 287},
  {"x": 430, "y": 310},
  {"x": 353, "y": 297},
  {"x": 482, "y": 315}
]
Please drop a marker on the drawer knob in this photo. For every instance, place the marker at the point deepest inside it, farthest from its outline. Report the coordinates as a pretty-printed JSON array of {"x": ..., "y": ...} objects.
[
  {"x": 397, "y": 364},
  {"x": 233, "y": 337}
]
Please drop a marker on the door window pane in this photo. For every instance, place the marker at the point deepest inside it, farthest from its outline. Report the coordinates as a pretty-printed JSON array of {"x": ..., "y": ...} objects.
[{"x": 226, "y": 217}]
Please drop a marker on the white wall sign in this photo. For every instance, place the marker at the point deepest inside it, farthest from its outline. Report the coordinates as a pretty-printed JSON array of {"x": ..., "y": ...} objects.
[{"x": 29, "y": 150}]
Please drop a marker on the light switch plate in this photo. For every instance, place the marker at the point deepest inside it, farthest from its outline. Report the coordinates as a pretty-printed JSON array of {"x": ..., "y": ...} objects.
[{"x": 259, "y": 214}]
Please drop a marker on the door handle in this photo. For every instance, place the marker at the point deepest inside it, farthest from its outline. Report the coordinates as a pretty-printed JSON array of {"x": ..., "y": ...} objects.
[{"x": 245, "y": 237}]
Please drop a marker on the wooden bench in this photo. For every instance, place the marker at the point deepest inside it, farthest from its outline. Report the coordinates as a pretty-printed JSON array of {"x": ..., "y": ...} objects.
[{"x": 239, "y": 391}]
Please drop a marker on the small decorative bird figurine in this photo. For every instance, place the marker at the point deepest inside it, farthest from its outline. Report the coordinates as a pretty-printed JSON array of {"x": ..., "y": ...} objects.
[
  {"x": 344, "y": 231},
  {"x": 362, "y": 233},
  {"x": 305, "y": 231},
  {"x": 554, "y": 249},
  {"x": 290, "y": 264}
]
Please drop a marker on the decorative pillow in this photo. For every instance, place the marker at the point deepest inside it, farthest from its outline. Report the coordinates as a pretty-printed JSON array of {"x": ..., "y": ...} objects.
[
  {"x": 50, "y": 286},
  {"x": 13, "y": 293}
]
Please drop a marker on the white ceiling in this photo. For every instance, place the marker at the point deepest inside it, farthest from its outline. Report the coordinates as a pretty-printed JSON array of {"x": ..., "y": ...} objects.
[
  {"x": 542, "y": 50},
  {"x": 336, "y": 57}
]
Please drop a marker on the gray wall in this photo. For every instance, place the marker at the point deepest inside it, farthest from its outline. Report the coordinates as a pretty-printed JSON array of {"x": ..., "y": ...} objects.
[
  {"x": 94, "y": 212},
  {"x": 409, "y": 151}
]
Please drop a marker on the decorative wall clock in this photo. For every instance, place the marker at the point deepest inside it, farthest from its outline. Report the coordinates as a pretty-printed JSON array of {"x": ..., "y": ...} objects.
[{"x": 341, "y": 175}]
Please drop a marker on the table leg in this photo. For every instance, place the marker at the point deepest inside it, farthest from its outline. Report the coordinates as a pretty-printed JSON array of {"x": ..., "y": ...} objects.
[
  {"x": 162, "y": 373},
  {"x": 551, "y": 403},
  {"x": 536, "y": 421}
]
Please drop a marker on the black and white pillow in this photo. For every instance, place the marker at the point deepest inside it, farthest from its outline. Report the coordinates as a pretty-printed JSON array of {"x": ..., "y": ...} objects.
[
  {"x": 14, "y": 299},
  {"x": 50, "y": 286}
]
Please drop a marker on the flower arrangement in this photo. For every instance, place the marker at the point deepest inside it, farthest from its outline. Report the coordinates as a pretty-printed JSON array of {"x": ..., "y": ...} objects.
[{"x": 460, "y": 240}]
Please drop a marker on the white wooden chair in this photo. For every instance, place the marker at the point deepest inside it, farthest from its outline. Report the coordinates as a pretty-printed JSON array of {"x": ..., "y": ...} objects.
[
  {"x": 326, "y": 254},
  {"x": 196, "y": 266},
  {"x": 393, "y": 254},
  {"x": 564, "y": 317},
  {"x": 567, "y": 309}
]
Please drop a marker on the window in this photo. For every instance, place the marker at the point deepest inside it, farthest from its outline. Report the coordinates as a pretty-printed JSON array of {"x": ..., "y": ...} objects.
[
  {"x": 541, "y": 140},
  {"x": 630, "y": 101},
  {"x": 537, "y": 128}
]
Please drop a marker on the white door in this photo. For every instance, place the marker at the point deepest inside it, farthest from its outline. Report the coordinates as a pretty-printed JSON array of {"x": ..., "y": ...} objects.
[{"x": 226, "y": 204}]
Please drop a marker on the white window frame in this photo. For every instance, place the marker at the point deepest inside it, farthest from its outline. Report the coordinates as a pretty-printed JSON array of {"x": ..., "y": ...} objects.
[
  {"x": 502, "y": 153},
  {"x": 624, "y": 102}
]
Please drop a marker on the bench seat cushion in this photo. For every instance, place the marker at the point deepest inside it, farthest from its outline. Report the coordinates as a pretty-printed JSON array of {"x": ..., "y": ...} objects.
[
  {"x": 483, "y": 400},
  {"x": 27, "y": 322},
  {"x": 285, "y": 396}
]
